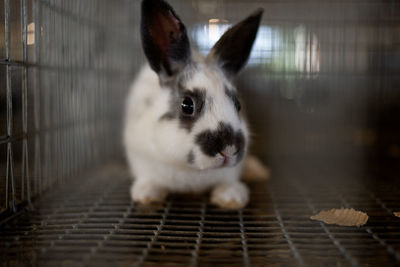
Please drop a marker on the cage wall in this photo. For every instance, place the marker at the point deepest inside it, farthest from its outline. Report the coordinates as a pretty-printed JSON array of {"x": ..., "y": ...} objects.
[
  {"x": 64, "y": 69},
  {"x": 320, "y": 85},
  {"x": 321, "y": 89}
]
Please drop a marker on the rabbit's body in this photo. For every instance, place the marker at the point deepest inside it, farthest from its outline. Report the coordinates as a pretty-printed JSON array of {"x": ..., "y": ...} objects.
[
  {"x": 183, "y": 128},
  {"x": 155, "y": 156},
  {"x": 158, "y": 150}
]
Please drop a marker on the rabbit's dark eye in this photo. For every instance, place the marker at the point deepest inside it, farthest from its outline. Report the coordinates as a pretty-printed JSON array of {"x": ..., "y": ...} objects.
[{"x": 187, "y": 106}]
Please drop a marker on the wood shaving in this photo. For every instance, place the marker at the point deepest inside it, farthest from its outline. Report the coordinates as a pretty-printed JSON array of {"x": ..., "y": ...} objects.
[
  {"x": 342, "y": 217},
  {"x": 396, "y": 213}
]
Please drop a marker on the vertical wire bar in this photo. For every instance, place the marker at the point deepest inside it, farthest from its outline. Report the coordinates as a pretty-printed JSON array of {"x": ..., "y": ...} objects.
[
  {"x": 61, "y": 155},
  {"x": 356, "y": 39},
  {"x": 76, "y": 86},
  {"x": 46, "y": 95},
  {"x": 24, "y": 18},
  {"x": 8, "y": 84},
  {"x": 69, "y": 116},
  {"x": 7, "y": 38},
  {"x": 99, "y": 113},
  {"x": 145, "y": 254},
  {"x": 50, "y": 96},
  {"x": 28, "y": 181},
  {"x": 310, "y": 62},
  {"x": 37, "y": 105},
  {"x": 84, "y": 108},
  {"x": 61, "y": 108},
  {"x": 28, "y": 186},
  {"x": 343, "y": 47},
  {"x": 43, "y": 93},
  {"x": 68, "y": 89},
  {"x": 73, "y": 81},
  {"x": 243, "y": 240},
  {"x": 65, "y": 47},
  {"x": 7, "y": 181},
  {"x": 9, "y": 169},
  {"x": 195, "y": 254},
  {"x": 285, "y": 233},
  {"x": 7, "y": 27},
  {"x": 10, "y": 173},
  {"x": 59, "y": 44}
]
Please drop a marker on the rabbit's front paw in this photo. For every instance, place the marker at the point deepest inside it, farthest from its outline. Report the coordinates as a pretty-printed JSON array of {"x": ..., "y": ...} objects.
[
  {"x": 147, "y": 193},
  {"x": 233, "y": 195}
]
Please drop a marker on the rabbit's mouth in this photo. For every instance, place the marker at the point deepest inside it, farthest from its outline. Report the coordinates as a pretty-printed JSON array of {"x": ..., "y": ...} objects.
[
  {"x": 225, "y": 160},
  {"x": 230, "y": 156},
  {"x": 218, "y": 162}
]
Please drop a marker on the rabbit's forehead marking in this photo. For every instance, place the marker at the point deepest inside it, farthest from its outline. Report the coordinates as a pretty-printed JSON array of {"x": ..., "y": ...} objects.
[{"x": 212, "y": 79}]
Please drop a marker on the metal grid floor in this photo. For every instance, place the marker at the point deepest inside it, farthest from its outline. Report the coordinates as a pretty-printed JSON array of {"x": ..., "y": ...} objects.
[{"x": 92, "y": 221}]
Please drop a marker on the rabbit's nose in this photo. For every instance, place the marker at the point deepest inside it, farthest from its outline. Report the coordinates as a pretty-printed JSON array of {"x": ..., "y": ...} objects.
[{"x": 229, "y": 151}]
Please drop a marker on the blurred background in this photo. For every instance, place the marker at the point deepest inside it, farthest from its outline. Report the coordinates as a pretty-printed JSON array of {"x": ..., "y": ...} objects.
[{"x": 321, "y": 89}]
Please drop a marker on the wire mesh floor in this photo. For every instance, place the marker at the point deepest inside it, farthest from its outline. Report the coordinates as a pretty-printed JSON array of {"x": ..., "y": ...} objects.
[{"x": 92, "y": 221}]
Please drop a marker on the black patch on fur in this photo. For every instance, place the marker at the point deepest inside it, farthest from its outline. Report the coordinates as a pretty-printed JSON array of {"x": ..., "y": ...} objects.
[
  {"x": 241, "y": 143},
  {"x": 190, "y": 157},
  {"x": 213, "y": 142},
  {"x": 233, "y": 96},
  {"x": 175, "y": 112},
  {"x": 233, "y": 48},
  {"x": 164, "y": 39}
]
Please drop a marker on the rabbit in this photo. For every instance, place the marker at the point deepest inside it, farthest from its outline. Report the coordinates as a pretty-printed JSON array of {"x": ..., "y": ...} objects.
[{"x": 184, "y": 130}]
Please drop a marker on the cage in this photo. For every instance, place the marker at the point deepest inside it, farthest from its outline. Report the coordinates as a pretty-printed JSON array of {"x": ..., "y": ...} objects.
[{"x": 321, "y": 89}]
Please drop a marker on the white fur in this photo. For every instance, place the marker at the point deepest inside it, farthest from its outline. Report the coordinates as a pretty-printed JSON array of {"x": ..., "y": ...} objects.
[
  {"x": 230, "y": 195},
  {"x": 157, "y": 149}
]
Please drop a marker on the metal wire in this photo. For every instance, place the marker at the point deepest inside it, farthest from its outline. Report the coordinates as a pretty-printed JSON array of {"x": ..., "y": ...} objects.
[
  {"x": 93, "y": 221},
  {"x": 322, "y": 93},
  {"x": 65, "y": 79}
]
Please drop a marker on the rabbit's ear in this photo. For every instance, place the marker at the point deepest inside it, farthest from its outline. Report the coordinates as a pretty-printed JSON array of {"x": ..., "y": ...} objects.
[
  {"x": 164, "y": 38},
  {"x": 233, "y": 48}
]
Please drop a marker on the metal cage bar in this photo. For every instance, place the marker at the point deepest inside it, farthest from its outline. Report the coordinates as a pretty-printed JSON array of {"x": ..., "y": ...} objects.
[
  {"x": 322, "y": 91},
  {"x": 66, "y": 74}
]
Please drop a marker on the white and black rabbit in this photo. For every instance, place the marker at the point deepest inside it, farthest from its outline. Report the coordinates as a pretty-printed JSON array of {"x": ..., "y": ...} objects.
[{"x": 184, "y": 131}]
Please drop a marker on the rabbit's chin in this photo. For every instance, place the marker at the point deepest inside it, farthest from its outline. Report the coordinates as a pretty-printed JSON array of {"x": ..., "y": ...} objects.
[{"x": 217, "y": 162}]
